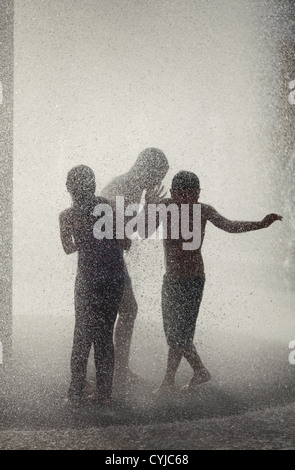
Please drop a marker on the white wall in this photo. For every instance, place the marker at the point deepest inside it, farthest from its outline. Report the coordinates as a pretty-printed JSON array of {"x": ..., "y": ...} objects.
[{"x": 98, "y": 81}]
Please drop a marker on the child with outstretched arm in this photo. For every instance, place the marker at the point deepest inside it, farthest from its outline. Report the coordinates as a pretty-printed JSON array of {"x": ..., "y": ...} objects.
[{"x": 184, "y": 280}]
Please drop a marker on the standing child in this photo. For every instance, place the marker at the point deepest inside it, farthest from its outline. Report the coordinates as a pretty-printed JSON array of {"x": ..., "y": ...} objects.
[
  {"x": 184, "y": 280},
  {"x": 146, "y": 174},
  {"x": 99, "y": 286}
]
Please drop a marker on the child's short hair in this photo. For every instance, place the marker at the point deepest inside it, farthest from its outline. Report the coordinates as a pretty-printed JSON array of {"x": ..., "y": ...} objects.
[
  {"x": 152, "y": 158},
  {"x": 80, "y": 179},
  {"x": 185, "y": 180}
]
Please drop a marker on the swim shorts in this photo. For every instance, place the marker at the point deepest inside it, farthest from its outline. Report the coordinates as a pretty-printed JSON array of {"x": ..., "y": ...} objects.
[{"x": 181, "y": 299}]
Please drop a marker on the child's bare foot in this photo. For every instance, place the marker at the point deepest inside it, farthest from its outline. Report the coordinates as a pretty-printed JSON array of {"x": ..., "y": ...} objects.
[
  {"x": 102, "y": 402},
  {"x": 73, "y": 402},
  {"x": 165, "y": 389},
  {"x": 132, "y": 377},
  {"x": 197, "y": 379},
  {"x": 105, "y": 402},
  {"x": 107, "y": 406},
  {"x": 126, "y": 376}
]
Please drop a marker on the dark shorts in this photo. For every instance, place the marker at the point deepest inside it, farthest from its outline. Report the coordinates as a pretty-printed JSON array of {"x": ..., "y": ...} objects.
[{"x": 181, "y": 299}]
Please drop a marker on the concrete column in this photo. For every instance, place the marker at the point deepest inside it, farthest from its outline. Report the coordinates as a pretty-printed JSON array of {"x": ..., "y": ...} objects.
[{"x": 6, "y": 175}]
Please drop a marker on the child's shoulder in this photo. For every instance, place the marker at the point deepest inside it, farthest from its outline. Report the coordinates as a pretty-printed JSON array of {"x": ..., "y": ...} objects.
[
  {"x": 206, "y": 210},
  {"x": 204, "y": 207},
  {"x": 108, "y": 202},
  {"x": 66, "y": 214},
  {"x": 117, "y": 186},
  {"x": 102, "y": 200}
]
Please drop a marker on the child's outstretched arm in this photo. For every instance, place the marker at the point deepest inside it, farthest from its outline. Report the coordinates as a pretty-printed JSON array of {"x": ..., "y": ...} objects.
[
  {"x": 235, "y": 226},
  {"x": 66, "y": 233}
]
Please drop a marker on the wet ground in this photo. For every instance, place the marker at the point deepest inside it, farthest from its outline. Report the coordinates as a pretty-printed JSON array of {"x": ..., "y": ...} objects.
[
  {"x": 247, "y": 404},
  {"x": 270, "y": 429}
]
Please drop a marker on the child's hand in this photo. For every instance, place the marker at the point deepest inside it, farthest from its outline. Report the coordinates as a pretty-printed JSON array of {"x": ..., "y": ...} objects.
[
  {"x": 155, "y": 195},
  {"x": 270, "y": 219}
]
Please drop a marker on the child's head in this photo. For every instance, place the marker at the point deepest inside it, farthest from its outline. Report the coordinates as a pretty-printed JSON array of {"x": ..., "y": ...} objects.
[
  {"x": 81, "y": 183},
  {"x": 151, "y": 167},
  {"x": 185, "y": 186}
]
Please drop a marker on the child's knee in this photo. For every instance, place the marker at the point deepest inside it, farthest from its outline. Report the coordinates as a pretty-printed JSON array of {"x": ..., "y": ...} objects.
[{"x": 179, "y": 346}]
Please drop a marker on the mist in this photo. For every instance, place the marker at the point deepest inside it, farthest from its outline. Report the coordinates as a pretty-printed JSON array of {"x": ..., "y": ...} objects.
[{"x": 96, "y": 83}]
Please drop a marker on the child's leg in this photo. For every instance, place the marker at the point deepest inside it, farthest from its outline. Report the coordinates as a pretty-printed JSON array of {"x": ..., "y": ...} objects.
[
  {"x": 200, "y": 372},
  {"x": 105, "y": 312},
  {"x": 173, "y": 361},
  {"x": 192, "y": 296},
  {"x": 79, "y": 359},
  {"x": 104, "y": 359},
  {"x": 82, "y": 341},
  {"x": 123, "y": 335}
]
